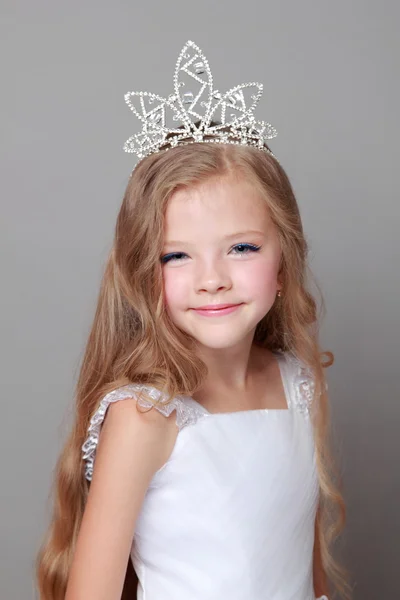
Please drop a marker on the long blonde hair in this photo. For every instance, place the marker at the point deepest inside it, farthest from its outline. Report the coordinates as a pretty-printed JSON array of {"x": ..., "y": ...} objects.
[{"x": 132, "y": 339}]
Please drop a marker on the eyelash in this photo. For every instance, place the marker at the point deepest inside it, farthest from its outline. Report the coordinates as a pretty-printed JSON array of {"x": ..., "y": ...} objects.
[{"x": 168, "y": 257}]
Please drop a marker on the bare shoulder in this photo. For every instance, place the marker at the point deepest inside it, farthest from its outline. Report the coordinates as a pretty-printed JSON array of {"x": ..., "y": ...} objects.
[
  {"x": 133, "y": 444},
  {"x": 148, "y": 431},
  {"x": 154, "y": 431}
]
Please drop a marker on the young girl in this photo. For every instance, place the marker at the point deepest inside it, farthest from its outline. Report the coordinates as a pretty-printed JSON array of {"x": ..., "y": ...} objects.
[{"x": 198, "y": 465}]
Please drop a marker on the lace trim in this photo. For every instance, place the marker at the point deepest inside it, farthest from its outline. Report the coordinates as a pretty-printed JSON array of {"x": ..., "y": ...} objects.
[
  {"x": 185, "y": 415},
  {"x": 303, "y": 385}
]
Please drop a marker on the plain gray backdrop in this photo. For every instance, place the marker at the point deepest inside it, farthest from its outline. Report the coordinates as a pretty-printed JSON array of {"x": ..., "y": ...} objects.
[{"x": 330, "y": 73}]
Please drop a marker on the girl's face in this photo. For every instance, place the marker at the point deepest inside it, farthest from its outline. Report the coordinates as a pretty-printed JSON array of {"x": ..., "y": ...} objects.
[{"x": 220, "y": 247}]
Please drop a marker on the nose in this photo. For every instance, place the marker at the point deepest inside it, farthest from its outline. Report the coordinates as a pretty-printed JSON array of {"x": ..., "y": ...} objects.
[{"x": 212, "y": 276}]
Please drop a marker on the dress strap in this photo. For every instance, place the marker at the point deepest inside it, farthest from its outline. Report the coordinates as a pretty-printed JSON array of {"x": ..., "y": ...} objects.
[
  {"x": 185, "y": 415},
  {"x": 298, "y": 380}
]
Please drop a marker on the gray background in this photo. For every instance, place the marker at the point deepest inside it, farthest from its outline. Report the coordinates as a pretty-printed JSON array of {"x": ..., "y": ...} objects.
[{"x": 330, "y": 74}]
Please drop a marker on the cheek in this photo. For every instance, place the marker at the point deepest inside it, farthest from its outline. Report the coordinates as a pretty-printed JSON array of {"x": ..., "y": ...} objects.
[
  {"x": 258, "y": 279},
  {"x": 175, "y": 285}
]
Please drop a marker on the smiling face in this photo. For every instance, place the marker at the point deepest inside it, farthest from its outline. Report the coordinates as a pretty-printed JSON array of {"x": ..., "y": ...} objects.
[{"x": 220, "y": 247}]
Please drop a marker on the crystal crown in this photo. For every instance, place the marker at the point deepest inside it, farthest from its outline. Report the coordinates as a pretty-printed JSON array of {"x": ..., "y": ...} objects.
[{"x": 195, "y": 112}]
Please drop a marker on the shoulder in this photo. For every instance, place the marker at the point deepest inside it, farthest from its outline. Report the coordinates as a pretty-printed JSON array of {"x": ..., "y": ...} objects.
[{"x": 137, "y": 422}]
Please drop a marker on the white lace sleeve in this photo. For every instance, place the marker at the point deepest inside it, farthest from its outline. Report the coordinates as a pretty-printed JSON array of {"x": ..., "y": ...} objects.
[
  {"x": 303, "y": 387},
  {"x": 184, "y": 416}
]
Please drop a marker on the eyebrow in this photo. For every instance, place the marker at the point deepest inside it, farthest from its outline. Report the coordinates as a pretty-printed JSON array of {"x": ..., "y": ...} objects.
[{"x": 226, "y": 237}]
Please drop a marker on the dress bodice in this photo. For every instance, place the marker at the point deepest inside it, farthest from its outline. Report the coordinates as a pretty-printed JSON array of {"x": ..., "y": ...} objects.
[{"x": 231, "y": 514}]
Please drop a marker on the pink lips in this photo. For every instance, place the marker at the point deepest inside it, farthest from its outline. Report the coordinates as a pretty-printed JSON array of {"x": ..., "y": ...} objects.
[{"x": 215, "y": 310}]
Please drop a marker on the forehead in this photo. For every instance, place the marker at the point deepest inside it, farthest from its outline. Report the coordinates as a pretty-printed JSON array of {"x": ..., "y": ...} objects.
[{"x": 227, "y": 203}]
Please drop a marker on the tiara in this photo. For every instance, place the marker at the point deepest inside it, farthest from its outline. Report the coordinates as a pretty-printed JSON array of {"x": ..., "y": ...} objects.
[{"x": 195, "y": 112}]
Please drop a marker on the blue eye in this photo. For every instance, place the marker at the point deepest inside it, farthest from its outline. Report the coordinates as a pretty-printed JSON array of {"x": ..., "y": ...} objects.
[
  {"x": 173, "y": 256},
  {"x": 176, "y": 256},
  {"x": 250, "y": 247}
]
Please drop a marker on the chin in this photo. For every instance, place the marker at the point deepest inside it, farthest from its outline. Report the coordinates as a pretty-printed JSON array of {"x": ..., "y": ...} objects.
[{"x": 219, "y": 340}]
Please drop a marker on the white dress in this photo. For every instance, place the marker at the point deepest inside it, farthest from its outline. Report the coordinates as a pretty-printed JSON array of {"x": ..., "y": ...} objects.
[{"x": 231, "y": 514}]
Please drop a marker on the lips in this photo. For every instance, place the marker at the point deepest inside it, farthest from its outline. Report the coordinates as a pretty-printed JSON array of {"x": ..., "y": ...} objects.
[
  {"x": 215, "y": 306},
  {"x": 219, "y": 310}
]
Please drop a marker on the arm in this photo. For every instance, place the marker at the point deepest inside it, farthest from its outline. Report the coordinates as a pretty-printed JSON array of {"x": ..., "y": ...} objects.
[
  {"x": 320, "y": 579},
  {"x": 131, "y": 448}
]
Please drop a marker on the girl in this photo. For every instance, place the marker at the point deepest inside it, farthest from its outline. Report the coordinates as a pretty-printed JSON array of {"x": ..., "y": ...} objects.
[{"x": 198, "y": 465}]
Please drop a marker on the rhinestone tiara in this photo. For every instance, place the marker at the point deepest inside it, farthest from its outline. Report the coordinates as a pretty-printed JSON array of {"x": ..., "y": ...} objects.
[{"x": 195, "y": 112}]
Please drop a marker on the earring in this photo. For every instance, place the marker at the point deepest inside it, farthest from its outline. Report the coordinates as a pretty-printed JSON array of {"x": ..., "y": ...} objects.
[{"x": 279, "y": 294}]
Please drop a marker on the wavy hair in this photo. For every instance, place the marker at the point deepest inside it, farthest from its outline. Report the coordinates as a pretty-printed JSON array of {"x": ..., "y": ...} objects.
[{"x": 132, "y": 339}]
